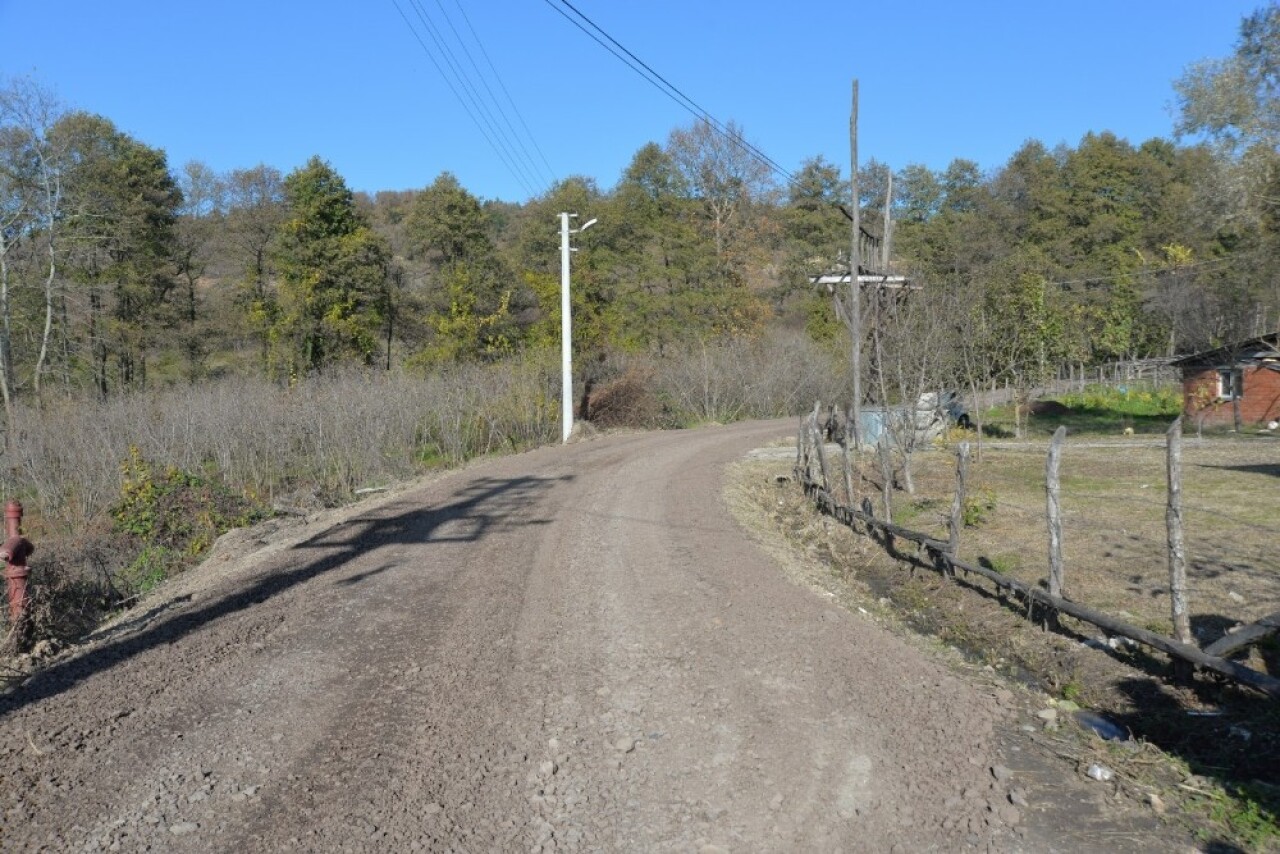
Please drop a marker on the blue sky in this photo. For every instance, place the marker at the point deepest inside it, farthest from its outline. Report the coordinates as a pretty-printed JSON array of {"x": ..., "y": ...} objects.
[{"x": 236, "y": 83}]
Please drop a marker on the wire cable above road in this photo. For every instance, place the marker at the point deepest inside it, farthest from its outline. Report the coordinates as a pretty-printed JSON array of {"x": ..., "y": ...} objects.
[{"x": 663, "y": 85}]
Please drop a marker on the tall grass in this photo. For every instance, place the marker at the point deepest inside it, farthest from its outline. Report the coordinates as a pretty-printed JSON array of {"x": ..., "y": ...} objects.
[
  {"x": 333, "y": 433},
  {"x": 343, "y": 430}
]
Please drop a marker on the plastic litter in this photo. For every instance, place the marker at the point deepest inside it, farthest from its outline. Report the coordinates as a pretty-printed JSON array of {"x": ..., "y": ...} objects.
[
  {"x": 1101, "y": 773},
  {"x": 1104, "y": 727}
]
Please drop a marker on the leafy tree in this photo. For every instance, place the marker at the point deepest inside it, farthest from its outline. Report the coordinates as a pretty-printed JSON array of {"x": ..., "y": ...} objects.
[
  {"x": 954, "y": 222},
  {"x": 919, "y": 194},
  {"x": 816, "y": 235},
  {"x": 256, "y": 212},
  {"x": 334, "y": 275},
  {"x": 1236, "y": 101},
  {"x": 654, "y": 251},
  {"x": 470, "y": 296},
  {"x": 812, "y": 217},
  {"x": 120, "y": 216},
  {"x": 1030, "y": 326},
  {"x": 201, "y": 220},
  {"x": 446, "y": 224}
]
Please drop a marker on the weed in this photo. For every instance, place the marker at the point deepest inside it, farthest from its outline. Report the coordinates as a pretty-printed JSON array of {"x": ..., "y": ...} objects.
[
  {"x": 915, "y": 509},
  {"x": 152, "y": 566},
  {"x": 429, "y": 456},
  {"x": 173, "y": 517},
  {"x": 954, "y": 434},
  {"x": 978, "y": 509},
  {"x": 1004, "y": 563},
  {"x": 1248, "y": 823},
  {"x": 911, "y": 596}
]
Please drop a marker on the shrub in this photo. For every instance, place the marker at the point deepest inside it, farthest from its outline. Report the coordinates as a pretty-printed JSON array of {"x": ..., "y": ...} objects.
[
  {"x": 199, "y": 459},
  {"x": 628, "y": 401},
  {"x": 767, "y": 377},
  {"x": 173, "y": 516},
  {"x": 978, "y": 509}
]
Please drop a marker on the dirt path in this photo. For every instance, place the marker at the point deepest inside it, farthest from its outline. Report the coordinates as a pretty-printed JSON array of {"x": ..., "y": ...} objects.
[{"x": 571, "y": 649}]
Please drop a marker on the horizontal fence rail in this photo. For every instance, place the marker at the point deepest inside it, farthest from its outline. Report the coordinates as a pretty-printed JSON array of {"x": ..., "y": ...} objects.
[{"x": 813, "y": 474}]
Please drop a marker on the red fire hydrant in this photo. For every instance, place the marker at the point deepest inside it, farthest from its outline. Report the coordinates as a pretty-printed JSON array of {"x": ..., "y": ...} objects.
[{"x": 15, "y": 551}]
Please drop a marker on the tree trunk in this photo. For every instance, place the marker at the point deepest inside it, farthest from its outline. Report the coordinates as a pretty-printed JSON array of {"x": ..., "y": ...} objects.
[
  {"x": 46, "y": 335},
  {"x": 6, "y": 351},
  {"x": 97, "y": 343}
]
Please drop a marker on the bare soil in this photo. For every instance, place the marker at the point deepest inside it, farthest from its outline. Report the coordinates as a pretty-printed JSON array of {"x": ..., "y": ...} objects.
[{"x": 571, "y": 649}]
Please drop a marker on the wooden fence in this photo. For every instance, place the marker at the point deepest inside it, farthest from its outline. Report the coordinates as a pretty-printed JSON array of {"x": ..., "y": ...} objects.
[
  {"x": 813, "y": 472},
  {"x": 1140, "y": 372}
]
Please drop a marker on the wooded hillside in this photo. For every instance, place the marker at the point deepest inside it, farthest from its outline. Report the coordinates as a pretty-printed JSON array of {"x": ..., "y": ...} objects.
[{"x": 119, "y": 270}]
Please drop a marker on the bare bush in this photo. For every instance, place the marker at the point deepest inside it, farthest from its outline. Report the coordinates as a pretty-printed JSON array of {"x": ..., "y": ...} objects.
[
  {"x": 335, "y": 432},
  {"x": 767, "y": 377},
  {"x": 628, "y": 401}
]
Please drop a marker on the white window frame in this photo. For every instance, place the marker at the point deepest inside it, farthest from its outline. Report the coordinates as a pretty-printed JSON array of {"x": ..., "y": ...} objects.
[{"x": 1230, "y": 383}]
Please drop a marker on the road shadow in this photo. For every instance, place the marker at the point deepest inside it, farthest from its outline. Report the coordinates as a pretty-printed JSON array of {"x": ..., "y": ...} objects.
[{"x": 485, "y": 507}]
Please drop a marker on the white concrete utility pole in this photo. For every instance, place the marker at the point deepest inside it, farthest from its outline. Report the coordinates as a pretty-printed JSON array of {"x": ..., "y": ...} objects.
[{"x": 566, "y": 325}]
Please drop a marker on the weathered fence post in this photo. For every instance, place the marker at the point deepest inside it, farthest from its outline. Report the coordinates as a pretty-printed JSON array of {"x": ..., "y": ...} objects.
[
  {"x": 1053, "y": 488},
  {"x": 802, "y": 453},
  {"x": 957, "y": 502},
  {"x": 799, "y": 445},
  {"x": 847, "y": 461},
  {"x": 1173, "y": 522},
  {"x": 810, "y": 424},
  {"x": 821, "y": 451},
  {"x": 886, "y": 476}
]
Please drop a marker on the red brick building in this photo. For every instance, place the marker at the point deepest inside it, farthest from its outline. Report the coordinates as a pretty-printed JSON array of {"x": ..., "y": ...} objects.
[{"x": 1238, "y": 382}]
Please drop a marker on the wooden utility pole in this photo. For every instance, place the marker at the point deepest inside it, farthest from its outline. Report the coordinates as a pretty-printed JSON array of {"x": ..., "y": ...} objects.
[{"x": 855, "y": 289}]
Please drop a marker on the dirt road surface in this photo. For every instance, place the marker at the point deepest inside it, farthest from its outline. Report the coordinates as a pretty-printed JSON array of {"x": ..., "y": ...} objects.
[{"x": 571, "y": 649}]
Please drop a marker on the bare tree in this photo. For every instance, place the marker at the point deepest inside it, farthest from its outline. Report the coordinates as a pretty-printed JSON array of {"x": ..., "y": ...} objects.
[
  {"x": 913, "y": 366},
  {"x": 31, "y": 185},
  {"x": 724, "y": 172},
  {"x": 200, "y": 218}
]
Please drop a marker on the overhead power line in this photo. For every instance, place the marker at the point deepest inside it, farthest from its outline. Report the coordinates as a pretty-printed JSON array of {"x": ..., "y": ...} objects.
[
  {"x": 1157, "y": 271},
  {"x": 666, "y": 87},
  {"x": 503, "y": 86},
  {"x": 489, "y": 116},
  {"x": 470, "y": 91},
  {"x": 514, "y": 139}
]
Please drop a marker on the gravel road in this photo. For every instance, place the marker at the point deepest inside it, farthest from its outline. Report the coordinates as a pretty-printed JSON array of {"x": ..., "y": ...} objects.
[{"x": 570, "y": 649}]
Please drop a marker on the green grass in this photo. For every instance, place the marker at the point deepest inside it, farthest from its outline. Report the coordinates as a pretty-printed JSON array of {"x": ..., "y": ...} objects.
[
  {"x": 1163, "y": 403},
  {"x": 1098, "y": 411},
  {"x": 1247, "y": 814}
]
